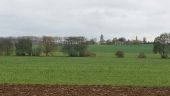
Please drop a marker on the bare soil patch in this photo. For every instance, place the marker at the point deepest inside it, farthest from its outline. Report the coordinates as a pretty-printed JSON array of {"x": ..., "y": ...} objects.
[{"x": 75, "y": 90}]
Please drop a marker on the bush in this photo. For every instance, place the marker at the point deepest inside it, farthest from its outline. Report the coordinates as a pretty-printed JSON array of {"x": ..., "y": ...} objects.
[
  {"x": 141, "y": 55},
  {"x": 87, "y": 54},
  {"x": 93, "y": 55},
  {"x": 119, "y": 54}
]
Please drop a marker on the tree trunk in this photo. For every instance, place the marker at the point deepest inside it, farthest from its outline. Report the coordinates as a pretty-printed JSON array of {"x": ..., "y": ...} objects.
[{"x": 46, "y": 53}]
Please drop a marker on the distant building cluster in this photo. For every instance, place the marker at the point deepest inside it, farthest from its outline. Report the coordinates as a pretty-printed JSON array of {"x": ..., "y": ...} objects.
[{"x": 122, "y": 41}]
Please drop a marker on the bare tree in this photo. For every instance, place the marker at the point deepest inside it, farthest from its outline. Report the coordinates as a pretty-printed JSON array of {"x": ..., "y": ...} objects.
[{"x": 48, "y": 44}]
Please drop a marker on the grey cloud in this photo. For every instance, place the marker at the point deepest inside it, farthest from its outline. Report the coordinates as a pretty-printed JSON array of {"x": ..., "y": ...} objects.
[{"x": 90, "y": 18}]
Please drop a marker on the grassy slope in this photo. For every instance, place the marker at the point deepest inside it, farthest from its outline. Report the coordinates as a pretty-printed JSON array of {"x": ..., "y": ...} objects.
[
  {"x": 147, "y": 48},
  {"x": 103, "y": 69}
]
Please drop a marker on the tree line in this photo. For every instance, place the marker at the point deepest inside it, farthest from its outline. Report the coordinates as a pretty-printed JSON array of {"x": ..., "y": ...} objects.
[
  {"x": 72, "y": 46},
  {"x": 23, "y": 46}
]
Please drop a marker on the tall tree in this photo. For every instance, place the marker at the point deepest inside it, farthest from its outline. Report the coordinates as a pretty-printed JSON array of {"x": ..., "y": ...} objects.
[
  {"x": 6, "y": 46},
  {"x": 48, "y": 44},
  {"x": 75, "y": 46},
  {"x": 122, "y": 39},
  {"x": 23, "y": 47},
  {"x": 162, "y": 45}
]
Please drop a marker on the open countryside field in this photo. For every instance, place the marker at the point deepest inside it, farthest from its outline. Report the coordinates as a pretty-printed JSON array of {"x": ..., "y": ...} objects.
[
  {"x": 105, "y": 69},
  {"x": 87, "y": 76}
]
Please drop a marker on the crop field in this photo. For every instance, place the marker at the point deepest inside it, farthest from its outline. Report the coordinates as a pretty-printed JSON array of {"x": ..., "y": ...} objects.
[{"x": 104, "y": 69}]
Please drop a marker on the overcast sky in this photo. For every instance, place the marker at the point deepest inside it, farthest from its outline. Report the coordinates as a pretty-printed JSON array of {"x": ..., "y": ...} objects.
[{"x": 89, "y": 18}]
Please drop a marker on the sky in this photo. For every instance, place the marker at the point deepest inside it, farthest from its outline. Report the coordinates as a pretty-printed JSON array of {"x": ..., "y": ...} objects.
[{"x": 89, "y": 18}]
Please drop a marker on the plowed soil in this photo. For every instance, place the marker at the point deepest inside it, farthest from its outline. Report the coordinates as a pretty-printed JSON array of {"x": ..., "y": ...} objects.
[{"x": 66, "y": 90}]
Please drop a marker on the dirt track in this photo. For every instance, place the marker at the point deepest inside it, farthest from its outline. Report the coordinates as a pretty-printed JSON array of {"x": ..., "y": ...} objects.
[{"x": 64, "y": 90}]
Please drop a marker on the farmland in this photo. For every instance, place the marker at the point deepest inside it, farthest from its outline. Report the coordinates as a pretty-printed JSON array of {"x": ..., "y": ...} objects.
[{"x": 105, "y": 69}]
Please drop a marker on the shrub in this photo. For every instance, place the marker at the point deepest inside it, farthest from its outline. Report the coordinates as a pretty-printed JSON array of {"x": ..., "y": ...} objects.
[
  {"x": 87, "y": 54},
  {"x": 119, "y": 54},
  {"x": 93, "y": 55},
  {"x": 141, "y": 55}
]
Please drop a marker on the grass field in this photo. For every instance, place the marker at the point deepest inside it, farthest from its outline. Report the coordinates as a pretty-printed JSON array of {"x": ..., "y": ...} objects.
[
  {"x": 105, "y": 69},
  {"x": 147, "y": 48}
]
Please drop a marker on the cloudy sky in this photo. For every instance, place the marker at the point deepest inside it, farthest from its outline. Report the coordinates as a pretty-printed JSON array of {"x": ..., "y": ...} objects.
[{"x": 89, "y": 18}]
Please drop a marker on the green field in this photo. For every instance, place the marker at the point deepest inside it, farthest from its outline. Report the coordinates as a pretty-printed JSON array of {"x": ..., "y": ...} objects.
[{"x": 105, "y": 69}]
